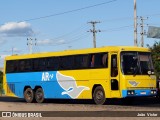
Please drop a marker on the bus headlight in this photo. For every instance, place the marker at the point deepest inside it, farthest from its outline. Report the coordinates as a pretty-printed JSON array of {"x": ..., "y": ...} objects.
[
  {"x": 153, "y": 91},
  {"x": 130, "y": 92}
]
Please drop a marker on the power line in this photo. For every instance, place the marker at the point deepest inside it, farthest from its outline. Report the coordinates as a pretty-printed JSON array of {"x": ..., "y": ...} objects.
[
  {"x": 117, "y": 19},
  {"x": 117, "y": 29},
  {"x": 75, "y": 38},
  {"x": 78, "y": 38},
  {"x": 70, "y": 11},
  {"x": 70, "y": 41},
  {"x": 73, "y": 32},
  {"x": 107, "y": 20},
  {"x": 157, "y": 14},
  {"x": 127, "y": 18}
]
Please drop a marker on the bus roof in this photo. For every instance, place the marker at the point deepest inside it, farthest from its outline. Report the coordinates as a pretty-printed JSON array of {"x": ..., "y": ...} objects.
[{"x": 78, "y": 51}]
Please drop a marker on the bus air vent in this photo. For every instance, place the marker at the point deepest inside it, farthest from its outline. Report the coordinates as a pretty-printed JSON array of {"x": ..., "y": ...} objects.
[{"x": 11, "y": 88}]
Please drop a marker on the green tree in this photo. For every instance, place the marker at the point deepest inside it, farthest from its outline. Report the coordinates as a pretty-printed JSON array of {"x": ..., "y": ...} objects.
[
  {"x": 1, "y": 81},
  {"x": 155, "y": 51}
]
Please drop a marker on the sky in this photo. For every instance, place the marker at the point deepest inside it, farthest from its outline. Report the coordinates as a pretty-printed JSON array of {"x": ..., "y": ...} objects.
[{"x": 55, "y": 25}]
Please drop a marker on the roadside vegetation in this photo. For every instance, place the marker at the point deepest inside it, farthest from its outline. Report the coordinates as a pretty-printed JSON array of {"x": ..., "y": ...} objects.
[
  {"x": 155, "y": 51},
  {"x": 1, "y": 82}
]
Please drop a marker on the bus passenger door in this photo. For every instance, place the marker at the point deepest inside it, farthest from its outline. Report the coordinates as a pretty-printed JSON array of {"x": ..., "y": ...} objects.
[{"x": 114, "y": 76}]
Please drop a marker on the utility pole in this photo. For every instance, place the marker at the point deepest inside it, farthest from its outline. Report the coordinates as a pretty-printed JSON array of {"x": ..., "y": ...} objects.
[
  {"x": 30, "y": 44},
  {"x": 94, "y": 31},
  {"x": 135, "y": 24},
  {"x": 142, "y": 30}
]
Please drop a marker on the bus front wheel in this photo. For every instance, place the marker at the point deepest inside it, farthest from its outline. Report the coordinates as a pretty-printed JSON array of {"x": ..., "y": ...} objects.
[
  {"x": 29, "y": 95},
  {"x": 99, "y": 95},
  {"x": 39, "y": 95}
]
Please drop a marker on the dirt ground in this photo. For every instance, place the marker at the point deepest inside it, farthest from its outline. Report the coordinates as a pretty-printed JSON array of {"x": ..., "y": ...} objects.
[{"x": 114, "y": 106}]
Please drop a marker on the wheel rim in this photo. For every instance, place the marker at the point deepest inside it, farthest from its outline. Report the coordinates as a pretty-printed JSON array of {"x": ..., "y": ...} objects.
[
  {"x": 99, "y": 95},
  {"x": 39, "y": 96},
  {"x": 29, "y": 95}
]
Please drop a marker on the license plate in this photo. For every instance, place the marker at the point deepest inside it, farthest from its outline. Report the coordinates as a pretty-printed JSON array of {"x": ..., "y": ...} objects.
[{"x": 143, "y": 93}]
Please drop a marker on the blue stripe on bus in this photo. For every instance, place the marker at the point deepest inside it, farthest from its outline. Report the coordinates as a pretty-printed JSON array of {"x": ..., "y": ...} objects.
[
  {"x": 47, "y": 80},
  {"x": 141, "y": 92}
]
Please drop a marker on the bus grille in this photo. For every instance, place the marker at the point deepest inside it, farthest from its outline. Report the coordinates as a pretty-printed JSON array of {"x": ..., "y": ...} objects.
[{"x": 11, "y": 88}]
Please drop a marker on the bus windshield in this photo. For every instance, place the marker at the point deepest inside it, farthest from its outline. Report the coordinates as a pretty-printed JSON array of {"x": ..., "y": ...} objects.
[{"x": 136, "y": 63}]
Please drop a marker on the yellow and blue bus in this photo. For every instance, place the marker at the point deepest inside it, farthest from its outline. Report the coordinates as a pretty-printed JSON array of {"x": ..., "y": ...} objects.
[{"x": 94, "y": 73}]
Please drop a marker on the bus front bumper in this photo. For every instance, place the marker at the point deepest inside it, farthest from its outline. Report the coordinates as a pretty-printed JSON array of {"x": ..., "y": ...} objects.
[{"x": 136, "y": 93}]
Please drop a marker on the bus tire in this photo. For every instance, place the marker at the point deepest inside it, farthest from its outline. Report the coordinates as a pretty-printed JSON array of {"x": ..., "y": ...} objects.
[
  {"x": 39, "y": 95},
  {"x": 29, "y": 95},
  {"x": 99, "y": 95}
]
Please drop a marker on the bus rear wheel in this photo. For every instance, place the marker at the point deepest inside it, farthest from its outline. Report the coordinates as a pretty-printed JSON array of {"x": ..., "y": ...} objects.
[
  {"x": 99, "y": 95},
  {"x": 29, "y": 95},
  {"x": 39, "y": 95}
]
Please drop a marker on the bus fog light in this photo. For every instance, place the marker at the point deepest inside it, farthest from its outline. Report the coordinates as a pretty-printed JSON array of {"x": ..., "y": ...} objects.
[
  {"x": 153, "y": 91},
  {"x": 129, "y": 93}
]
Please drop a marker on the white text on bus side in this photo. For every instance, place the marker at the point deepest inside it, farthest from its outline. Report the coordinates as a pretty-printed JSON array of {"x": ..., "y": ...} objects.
[{"x": 46, "y": 76}]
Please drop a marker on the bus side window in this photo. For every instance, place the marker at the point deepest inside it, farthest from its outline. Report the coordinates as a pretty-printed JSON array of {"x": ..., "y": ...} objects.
[
  {"x": 66, "y": 62},
  {"x": 42, "y": 64},
  {"x": 105, "y": 60},
  {"x": 21, "y": 65},
  {"x": 78, "y": 61},
  {"x": 28, "y": 65},
  {"x": 100, "y": 60},
  {"x": 49, "y": 63},
  {"x": 55, "y": 63},
  {"x": 36, "y": 65},
  {"x": 92, "y": 60},
  {"x": 86, "y": 61},
  {"x": 11, "y": 66},
  {"x": 70, "y": 62},
  {"x": 114, "y": 69},
  {"x": 52, "y": 63}
]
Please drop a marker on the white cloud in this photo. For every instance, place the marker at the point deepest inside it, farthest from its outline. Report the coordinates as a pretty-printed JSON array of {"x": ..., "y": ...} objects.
[
  {"x": 14, "y": 29},
  {"x": 2, "y": 57},
  {"x": 50, "y": 42}
]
